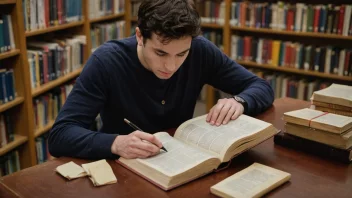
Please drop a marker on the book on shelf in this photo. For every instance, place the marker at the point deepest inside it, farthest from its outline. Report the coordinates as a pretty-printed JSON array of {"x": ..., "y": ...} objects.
[
  {"x": 289, "y": 54},
  {"x": 7, "y": 84},
  {"x": 329, "y": 122},
  {"x": 294, "y": 17},
  {"x": 312, "y": 147},
  {"x": 7, "y": 41},
  {"x": 9, "y": 163},
  {"x": 42, "y": 14},
  {"x": 253, "y": 181},
  {"x": 343, "y": 140},
  {"x": 336, "y": 94},
  {"x": 199, "y": 148}
]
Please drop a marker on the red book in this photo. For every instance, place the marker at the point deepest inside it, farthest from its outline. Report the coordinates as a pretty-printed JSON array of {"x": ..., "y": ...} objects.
[
  {"x": 341, "y": 19},
  {"x": 316, "y": 18},
  {"x": 290, "y": 20},
  {"x": 247, "y": 48}
]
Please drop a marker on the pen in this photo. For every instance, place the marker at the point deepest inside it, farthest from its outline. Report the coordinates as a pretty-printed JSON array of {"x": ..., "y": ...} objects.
[{"x": 137, "y": 128}]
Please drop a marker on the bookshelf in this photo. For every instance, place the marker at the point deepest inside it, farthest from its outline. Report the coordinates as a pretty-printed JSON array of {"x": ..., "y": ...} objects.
[
  {"x": 246, "y": 29},
  {"x": 21, "y": 107}
]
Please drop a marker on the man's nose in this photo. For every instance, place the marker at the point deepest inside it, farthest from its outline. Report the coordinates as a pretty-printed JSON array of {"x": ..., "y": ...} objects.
[{"x": 170, "y": 65}]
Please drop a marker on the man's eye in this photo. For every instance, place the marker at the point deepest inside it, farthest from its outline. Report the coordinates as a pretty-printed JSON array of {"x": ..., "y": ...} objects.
[
  {"x": 180, "y": 55},
  {"x": 160, "y": 54}
]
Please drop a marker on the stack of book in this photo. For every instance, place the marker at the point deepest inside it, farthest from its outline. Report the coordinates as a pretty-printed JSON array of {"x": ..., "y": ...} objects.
[
  {"x": 334, "y": 99},
  {"x": 317, "y": 132}
]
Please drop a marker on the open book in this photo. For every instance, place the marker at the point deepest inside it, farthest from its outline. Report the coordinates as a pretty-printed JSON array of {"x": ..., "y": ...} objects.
[
  {"x": 199, "y": 148},
  {"x": 253, "y": 181}
]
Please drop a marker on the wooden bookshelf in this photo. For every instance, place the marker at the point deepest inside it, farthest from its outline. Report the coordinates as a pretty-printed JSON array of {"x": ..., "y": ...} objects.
[
  {"x": 134, "y": 19},
  {"x": 41, "y": 131},
  {"x": 105, "y": 18},
  {"x": 9, "y": 54},
  {"x": 294, "y": 71},
  {"x": 54, "y": 28},
  {"x": 13, "y": 103},
  {"x": 291, "y": 33},
  {"x": 18, "y": 140},
  {"x": 3, "y": 2},
  {"x": 59, "y": 81},
  {"x": 25, "y": 132},
  {"x": 212, "y": 25}
]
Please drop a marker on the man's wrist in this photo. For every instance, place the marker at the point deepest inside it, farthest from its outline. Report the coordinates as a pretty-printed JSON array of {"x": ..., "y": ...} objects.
[{"x": 240, "y": 100}]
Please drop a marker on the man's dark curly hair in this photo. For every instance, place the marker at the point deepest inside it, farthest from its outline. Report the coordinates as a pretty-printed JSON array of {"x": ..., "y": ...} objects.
[{"x": 170, "y": 19}]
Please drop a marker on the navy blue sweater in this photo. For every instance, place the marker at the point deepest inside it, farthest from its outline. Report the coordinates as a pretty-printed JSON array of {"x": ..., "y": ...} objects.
[{"x": 115, "y": 84}]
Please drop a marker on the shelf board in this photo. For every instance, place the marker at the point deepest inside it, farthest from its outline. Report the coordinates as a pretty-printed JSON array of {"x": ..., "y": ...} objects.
[
  {"x": 292, "y": 33},
  {"x": 19, "y": 140},
  {"x": 9, "y": 54},
  {"x": 295, "y": 71},
  {"x": 3, "y": 2},
  {"x": 41, "y": 131},
  {"x": 9, "y": 105},
  {"x": 105, "y": 18},
  {"x": 54, "y": 28},
  {"x": 212, "y": 25},
  {"x": 46, "y": 87}
]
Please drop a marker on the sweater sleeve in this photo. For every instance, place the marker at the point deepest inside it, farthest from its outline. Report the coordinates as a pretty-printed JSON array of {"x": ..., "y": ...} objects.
[
  {"x": 230, "y": 77},
  {"x": 70, "y": 135}
]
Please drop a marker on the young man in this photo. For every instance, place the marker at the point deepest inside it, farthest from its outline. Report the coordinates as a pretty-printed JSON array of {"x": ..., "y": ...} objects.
[{"x": 152, "y": 79}]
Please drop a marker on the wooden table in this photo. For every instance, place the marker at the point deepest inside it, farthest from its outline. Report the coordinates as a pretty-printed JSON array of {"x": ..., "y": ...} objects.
[{"x": 311, "y": 176}]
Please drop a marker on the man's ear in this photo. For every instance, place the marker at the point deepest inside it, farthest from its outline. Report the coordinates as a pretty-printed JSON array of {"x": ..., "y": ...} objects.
[{"x": 139, "y": 36}]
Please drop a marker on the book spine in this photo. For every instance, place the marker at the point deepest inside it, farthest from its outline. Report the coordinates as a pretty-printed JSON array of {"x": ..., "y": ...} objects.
[{"x": 311, "y": 147}]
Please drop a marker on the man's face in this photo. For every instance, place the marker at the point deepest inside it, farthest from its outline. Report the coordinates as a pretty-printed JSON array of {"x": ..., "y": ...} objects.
[{"x": 163, "y": 59}]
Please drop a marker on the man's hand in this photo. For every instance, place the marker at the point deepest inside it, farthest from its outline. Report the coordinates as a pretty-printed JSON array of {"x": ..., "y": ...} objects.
[
  {"x": 136, "y": 145},
  {"x": 224, "y": 110}
]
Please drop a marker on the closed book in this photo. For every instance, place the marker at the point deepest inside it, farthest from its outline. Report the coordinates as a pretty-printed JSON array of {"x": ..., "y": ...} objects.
[{"x": 312, "y": 147}]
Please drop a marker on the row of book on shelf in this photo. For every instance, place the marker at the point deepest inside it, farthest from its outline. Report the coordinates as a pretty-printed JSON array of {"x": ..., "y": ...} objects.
[
  {"x": 325, "y": 59},
  {"x": 53, "y": 59},
  {"x": 211, "y": 11},
  {"x": 7, "y": 41},
  {"x": 298, "y": 17},
  {"x": 100, "y": 33},
  {"x": 40, "y": 14},
  {"x": 47, "y": 106},
  {"x": 9, "y": 163},
  {"x": 6, "y": 129},
  {"x": 324, "y": 129},
  {"x": 99, "y": 8},
  {"x": 7, "y": 85}
]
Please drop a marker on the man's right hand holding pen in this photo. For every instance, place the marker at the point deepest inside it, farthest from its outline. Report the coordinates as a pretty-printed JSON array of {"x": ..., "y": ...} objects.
[{"x": 132, "y": 145}]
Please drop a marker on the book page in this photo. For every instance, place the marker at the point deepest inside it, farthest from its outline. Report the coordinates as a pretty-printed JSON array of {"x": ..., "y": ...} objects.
[
  {"x": 254, "y": 181},
  {"x": 217, "y": 139},
  {"x": 334, "y": 120},
  {"x": 306, "y": 113},
  {"x": 179, "y": 158},
  {"x": 337, "y": 91},
  {"x": 335, "y": 94}
]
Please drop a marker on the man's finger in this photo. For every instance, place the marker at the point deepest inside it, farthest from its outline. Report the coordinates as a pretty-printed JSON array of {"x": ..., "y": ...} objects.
[
  {"x": 139, "y": 153},
  {"x": 237, "y": 113},
  {"x": 209, "y": 114},
  {"x": 149, "y": 137},
  {"x": 216, "y": 112},
  {"x": 222, "y": 114},
  {"x": 229, "y": 114}
]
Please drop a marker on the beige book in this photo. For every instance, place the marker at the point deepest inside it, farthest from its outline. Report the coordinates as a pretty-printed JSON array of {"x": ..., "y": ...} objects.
[
  {"x": 100, "y": 173},
  {"x": 198, "y": 148},
  {"x": 343, "y": 140},
  {"x": 319, "y": 120},
  {"x": 71, "y": 170},
  {"x": 334, "y": 111},
  {"x": 332, "y": 106},
  {"x": 335, "y": 94},
  {"x": 253, "y": 181}
]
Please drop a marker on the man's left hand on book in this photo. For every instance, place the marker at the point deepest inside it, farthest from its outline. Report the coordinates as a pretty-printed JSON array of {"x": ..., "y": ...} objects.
[{"x": 225, "y": 110}]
